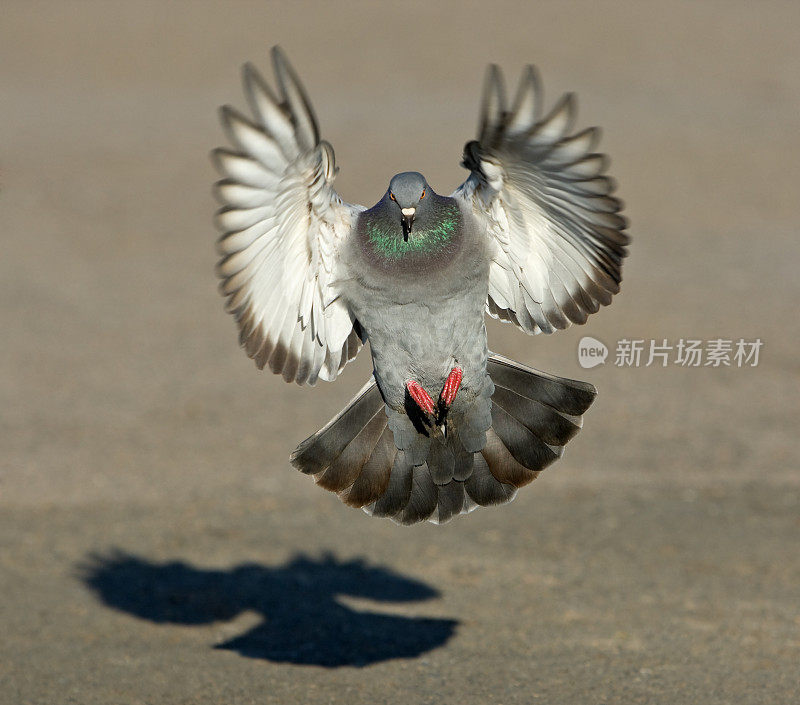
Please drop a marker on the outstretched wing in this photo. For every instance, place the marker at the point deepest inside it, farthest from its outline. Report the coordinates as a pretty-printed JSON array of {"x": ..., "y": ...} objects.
[
  {"x": 283, "y": 225},
  {"x": 558, "y": 240}
]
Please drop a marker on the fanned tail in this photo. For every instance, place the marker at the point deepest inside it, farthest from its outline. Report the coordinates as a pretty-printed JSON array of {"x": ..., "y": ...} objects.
[
  {"x": 353, "y": 455},
  {"x": 534, "y": 415},
  {"x": 374, "y": 458}
]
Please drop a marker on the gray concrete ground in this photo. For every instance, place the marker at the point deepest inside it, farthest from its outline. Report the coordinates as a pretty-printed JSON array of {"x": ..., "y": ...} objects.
[{"x": 156, "y": 545}]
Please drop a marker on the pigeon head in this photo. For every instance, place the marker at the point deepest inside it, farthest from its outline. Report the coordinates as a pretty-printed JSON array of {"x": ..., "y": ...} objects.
[
  {"x": 407, "y": 192},
  {"x": 411, "y": 226}
]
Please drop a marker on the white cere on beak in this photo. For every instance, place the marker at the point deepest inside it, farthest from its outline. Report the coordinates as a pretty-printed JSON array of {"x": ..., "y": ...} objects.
[{"x": 408, "y": 212}]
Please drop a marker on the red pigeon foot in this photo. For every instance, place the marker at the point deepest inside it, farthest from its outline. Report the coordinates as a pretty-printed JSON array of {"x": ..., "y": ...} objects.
[
  {"x": 420, "y": 396},
  {"x": 451, "y": 386}
]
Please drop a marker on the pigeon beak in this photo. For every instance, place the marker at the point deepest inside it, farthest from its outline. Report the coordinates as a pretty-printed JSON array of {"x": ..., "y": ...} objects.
[{"x": 408, "y": 221}]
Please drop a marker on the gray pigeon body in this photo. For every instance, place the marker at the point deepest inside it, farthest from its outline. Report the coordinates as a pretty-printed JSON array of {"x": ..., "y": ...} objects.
[
  {"x": 420, "y": 301},
  {"x": 532, "y": 237}
]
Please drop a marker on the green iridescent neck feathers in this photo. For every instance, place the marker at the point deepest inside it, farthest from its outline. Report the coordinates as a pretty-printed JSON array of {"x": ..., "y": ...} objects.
[{"x": 386, "y": 238}]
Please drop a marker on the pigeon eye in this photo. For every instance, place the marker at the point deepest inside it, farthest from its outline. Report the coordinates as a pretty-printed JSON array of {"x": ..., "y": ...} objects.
[
  {"x": 423, "y": 194},
  {"x": 391, "y": 195}
]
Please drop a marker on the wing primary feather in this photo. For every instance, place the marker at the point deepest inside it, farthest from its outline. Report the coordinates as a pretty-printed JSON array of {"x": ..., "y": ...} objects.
[
  {"x": 232, "y": 193},
  {"x": 305, "y": 123},
  {"x": 556, "y": 124},
  {"x": 267, "y": 110},
  {"x": 527, "y": 104},
  {"x": 243, "y": 169},
  {"x": 252, "y": 140},
  {"x": 493, "y": 105}
]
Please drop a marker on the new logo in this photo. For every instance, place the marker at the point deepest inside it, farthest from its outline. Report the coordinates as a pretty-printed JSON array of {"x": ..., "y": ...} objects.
[{"x": 591, "y": 352}]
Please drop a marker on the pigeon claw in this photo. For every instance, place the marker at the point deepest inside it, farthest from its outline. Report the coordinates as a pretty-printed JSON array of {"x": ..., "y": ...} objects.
[
  {"x": 451, "y": 386},
  {"x": 433, "y": 416},
  {"x": 421, "y": 398},
  {"x": 447, "y": 396}
]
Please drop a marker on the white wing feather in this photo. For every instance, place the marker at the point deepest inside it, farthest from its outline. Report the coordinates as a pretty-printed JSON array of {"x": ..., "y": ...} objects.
[
  {"x": 282, "y": 225},
  {"x": 558, "y": 239}
]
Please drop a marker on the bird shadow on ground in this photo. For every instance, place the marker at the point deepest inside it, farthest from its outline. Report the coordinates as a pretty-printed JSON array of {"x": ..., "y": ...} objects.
[{"x": 304, "y": 623}]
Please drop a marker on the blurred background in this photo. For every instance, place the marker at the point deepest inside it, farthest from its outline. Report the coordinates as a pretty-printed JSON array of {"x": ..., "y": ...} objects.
[{"x": 156, "y": 544}]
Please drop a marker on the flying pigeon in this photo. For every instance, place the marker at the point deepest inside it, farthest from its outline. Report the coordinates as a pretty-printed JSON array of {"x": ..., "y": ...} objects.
[{"x": 533, "y": 237}]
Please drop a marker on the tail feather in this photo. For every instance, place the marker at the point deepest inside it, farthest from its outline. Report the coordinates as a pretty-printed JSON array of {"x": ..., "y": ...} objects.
[
  {"x": 544, "y": 421},
  {"x": 525, "y": 447},
  {"x": 374, "y": 458},
  {"x": 353, "y": 454},
  {"x": 373, "y": 481},
  {"x": 475, "y": 421},
  {"x": 407, "y": 438},
  {"x": 484, "y": 488},
  {"x": 423, "y": 500},
  {"x": 569, "y": 396},
  {"x": 442, "y": 462},
  {"x": 450, "y": 503},
  {"x": 318, "y": 451},
  {"x": 346, "y": 468},
  {"x": 534, "y": 415},
  {"x": 502, "y": 464},
  {"x": 398, "y": 491},
  {"x": 463, "y": 458}
]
